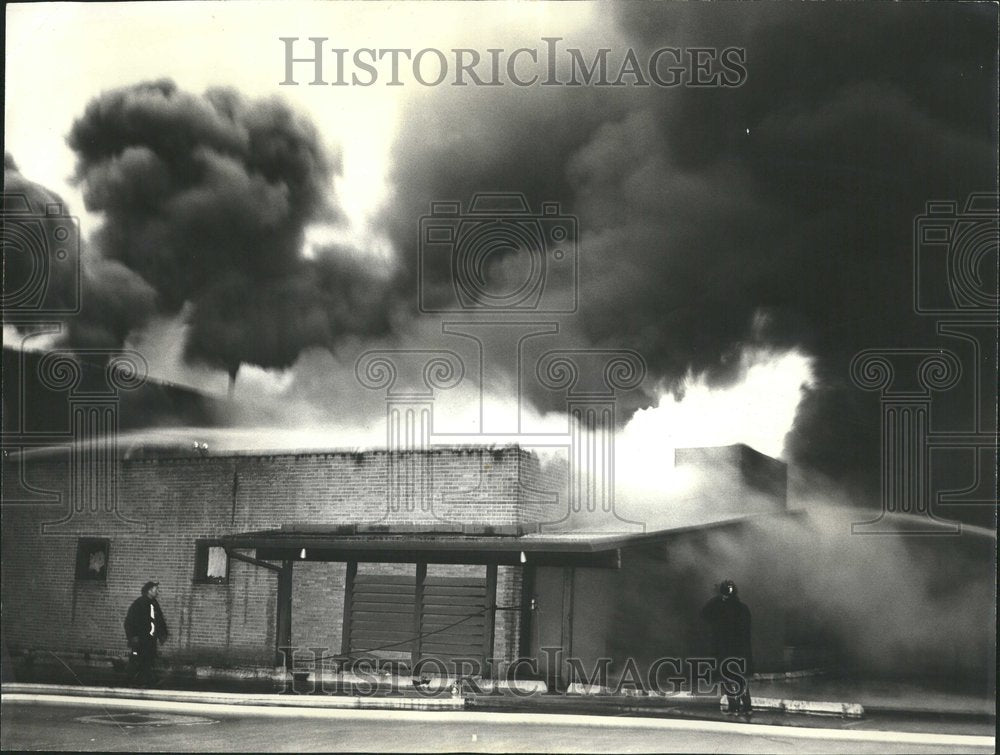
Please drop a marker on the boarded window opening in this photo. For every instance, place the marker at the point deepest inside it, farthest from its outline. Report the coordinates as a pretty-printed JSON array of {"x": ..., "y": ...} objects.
[
  {"x": 211, "y": 563},
  {"x": 92, "y": 555}
]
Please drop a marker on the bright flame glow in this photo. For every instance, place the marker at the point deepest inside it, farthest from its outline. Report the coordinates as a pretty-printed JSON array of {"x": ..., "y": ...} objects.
[{"x": 758, "y": 410}]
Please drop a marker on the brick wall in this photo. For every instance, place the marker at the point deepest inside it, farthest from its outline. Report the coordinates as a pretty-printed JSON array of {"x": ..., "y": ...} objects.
[
  {"x": 508, "y": 617},
  {"x": 318, "y": 605},
  {"x": 175, "y": 501},
  {"x": 544, "y": 490}
]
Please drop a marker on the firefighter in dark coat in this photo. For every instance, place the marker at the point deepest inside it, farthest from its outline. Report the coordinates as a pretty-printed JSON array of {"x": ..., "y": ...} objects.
[
  {"x": 728, "y": 619},
  {"x": 145, "y": 628}
]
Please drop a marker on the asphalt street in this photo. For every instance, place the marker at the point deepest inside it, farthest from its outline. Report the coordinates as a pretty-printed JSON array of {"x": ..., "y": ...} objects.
[{"x": 121, "y": 725}]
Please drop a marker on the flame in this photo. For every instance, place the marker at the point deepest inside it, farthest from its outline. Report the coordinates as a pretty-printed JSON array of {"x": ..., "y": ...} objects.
[{"x": 758, "y": 409}]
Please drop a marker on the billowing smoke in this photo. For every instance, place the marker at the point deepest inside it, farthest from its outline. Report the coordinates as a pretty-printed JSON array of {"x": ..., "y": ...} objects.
[
  {"x": 714, "y": 221},
  {"x": 463, "y": 143},
  {"x": 20, "y": 267},
  {"x": 778, "y": 214},
  {"x": 773, "y": 217},
  {"x": 794, "y": 195},
  {"x": 102, "y": 299},
  {"x": 207, "y": 198},
  {"x": 904, "y": 607},
  {"x": 901, "y": 605}
]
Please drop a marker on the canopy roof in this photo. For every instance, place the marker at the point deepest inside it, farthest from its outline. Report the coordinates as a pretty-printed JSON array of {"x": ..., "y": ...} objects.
[{"x": 444, "y": 543}]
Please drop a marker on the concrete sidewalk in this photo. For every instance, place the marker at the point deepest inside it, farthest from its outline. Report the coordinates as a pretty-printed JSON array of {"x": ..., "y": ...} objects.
[
  {"x": 776, "y": 702},
  {"x": 824, "y": 695},
  {"x": 816, "y": 694},
  {"x": 879, "y": 696}
]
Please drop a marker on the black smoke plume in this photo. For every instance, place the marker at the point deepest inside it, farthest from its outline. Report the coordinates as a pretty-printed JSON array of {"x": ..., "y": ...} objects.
[
  {"x": 207, "y": 198},
  {"x": 112, "y": 299},
  {"x": 18, "y": 263},
  {"x": 777, "y": 214}
]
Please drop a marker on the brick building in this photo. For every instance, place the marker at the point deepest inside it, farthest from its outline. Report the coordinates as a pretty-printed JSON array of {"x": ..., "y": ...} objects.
[{"x": 445, "y": 554}]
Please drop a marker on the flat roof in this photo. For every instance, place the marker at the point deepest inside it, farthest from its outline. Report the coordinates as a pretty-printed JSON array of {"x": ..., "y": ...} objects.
[
  {"x": 141, "y": 446},
  {"x": 455, "y": 543}
]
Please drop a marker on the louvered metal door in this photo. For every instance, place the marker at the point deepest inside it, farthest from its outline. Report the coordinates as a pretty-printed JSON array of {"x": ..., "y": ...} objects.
[
  {"x": 417, "y": 617},
  {"x": 379, "y": 615},
  {"x": 453, "y": 619}
]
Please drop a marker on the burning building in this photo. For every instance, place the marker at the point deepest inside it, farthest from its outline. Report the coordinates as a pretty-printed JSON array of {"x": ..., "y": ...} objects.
[{"x": 340, "y": 551}]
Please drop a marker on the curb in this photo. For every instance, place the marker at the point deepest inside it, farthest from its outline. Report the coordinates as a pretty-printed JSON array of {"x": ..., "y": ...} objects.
[
  {"x": 500, "y": 694},
  {"x": 250, "y": 673},
  {"x": 813, "y": 707},
  {"x": 917, "y": 710},
  {"x": 430, "y": 684},
  {"x": 281, "y": 701}
]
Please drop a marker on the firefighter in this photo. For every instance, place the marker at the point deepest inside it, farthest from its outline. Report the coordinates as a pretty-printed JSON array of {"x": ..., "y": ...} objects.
[
  {"x": 145, "y": 628},
  {"x": 728, "y": 619}
]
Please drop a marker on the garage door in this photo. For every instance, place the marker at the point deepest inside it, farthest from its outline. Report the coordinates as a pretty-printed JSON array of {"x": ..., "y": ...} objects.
[{"x": 418, "y": 617}]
